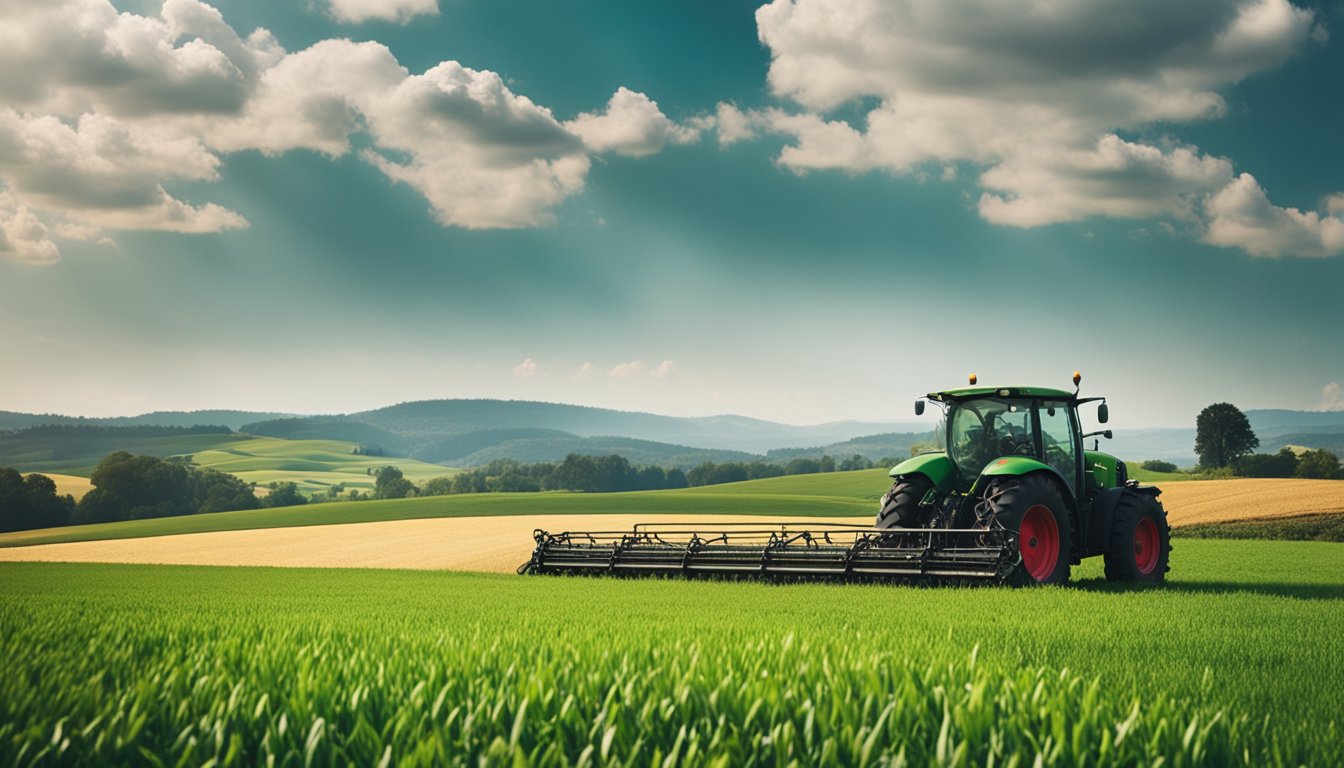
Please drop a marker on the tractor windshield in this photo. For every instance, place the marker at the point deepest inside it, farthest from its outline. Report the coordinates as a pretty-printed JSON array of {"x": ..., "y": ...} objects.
[{"x": 982, "y": 429}]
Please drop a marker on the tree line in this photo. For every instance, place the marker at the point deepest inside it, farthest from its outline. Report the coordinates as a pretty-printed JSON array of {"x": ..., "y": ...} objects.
[
  {"x": 125, "y": 487},
  {"x": 603, "y": 474},
  {"x": 99, "y": 431},
  {"x": 1224, "y": 441}
]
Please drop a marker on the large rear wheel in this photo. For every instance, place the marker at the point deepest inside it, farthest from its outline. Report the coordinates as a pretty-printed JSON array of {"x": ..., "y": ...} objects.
[
  {"x": 1032, "y": 506},
  {"x": 900, "y": 505},
  {"x": 1140, "y": 544}
]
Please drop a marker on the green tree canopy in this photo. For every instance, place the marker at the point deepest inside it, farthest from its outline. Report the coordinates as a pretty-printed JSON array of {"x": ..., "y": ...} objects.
[
  {"x": 390, "y": 483},
  {"x": 1222, "y": 433},
  {"x": 284, "y": 495},
  {"x": 127, "y": 487},
  {"x": 1319, "y": 464},
  {"x": 31, "y": 502}
]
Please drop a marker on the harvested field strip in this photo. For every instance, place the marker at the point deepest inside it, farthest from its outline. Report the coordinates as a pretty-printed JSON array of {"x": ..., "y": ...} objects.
[
  {"x": 497, "y": 544},
  {"x": 1212, "y": 501}
]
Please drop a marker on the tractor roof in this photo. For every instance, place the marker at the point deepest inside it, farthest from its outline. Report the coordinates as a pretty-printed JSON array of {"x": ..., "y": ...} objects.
[{"x": 962, "y": 393}]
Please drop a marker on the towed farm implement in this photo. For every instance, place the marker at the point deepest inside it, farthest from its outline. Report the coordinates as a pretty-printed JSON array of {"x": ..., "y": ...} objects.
[{"x": 1013, "y": 497}]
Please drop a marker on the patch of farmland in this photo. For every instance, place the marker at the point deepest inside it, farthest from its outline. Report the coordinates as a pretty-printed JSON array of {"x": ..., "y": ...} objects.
[
  {"x": 1215, "y": 501},
  {"x": 71, "y": 484},
  {"x": 313, "y": 465},
  {"x": 492, "y": 544}
]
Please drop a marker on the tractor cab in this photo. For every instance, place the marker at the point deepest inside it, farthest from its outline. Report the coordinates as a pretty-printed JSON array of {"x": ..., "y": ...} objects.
[{"x": 985, "y": 425}]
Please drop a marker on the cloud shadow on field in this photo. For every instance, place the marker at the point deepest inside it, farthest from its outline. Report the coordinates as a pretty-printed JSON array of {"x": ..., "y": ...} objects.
[{"x": 1221, "y": 587}]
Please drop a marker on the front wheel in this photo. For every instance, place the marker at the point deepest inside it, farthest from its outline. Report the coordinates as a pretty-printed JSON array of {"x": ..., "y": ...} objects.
[
  {"x": 1140, "y": 544},
  {"x": 1032, "y": 506}
]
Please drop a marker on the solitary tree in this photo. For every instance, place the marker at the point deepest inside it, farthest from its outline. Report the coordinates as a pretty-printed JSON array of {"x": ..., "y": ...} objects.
[
  {"x": 391, "y": 484},
  {"x": 1222, "y": 433},
  {"x": 284, "y": 495}
]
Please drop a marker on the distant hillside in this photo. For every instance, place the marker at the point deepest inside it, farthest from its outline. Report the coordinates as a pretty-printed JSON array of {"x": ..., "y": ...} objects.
[
  {"x": 75, "y": 450},
  {"x": 458, "y": 432},
  {"x": 332, "y": 428},
  {"x": 1277, "y": 421},
  {"x": 559, "y": 445},
  {"x": 231, "y": 419},
  {"x": 442, "y": 418},
  {"x": 872, "y": 447},
  {"x": 1275, "y": 428}
]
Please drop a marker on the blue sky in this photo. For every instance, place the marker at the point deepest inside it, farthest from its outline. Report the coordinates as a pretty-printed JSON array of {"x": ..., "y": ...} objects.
[{"x": 804, "y": 211}]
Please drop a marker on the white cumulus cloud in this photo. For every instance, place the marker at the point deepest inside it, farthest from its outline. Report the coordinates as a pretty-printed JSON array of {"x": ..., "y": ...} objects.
[
  {"x": 526, "y": 369},
  {"x": 1036, "y": 95},
  {"x": 23, "y": 237},
  {"x": 1332, "y": 397},
  {"x": 631, "y": 125},
  {"x": 400, "y": 11},
  {"x": 1241, "y": 216},
  {"x": 116, "y": 108}
]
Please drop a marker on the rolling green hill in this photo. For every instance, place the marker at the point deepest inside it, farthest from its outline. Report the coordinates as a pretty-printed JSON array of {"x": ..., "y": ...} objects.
[
  {"x": 555, "y": 446},
  {"x": 229, "y": 418},
  {"x": 79, "y": 455},
  {"x": 312, "y": 464},
  {"x": 431, "y": 430}
]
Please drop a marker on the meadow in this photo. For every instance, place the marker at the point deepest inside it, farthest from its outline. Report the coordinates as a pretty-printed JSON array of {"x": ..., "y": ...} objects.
[
  {"x": 1235, "y": 661},
  {"x": 313, "y": 465}
]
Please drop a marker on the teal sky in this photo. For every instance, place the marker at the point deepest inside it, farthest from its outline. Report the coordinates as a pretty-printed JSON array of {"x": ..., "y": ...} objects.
[{"x": 812, "y": 212}]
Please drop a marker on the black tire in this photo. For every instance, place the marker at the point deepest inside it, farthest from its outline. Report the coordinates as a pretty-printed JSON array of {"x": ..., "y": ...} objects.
[
  {"x": 1140, "y": 545},
  {"x": 1034, "y": 500},
  {"x": 899, "y": 507}
]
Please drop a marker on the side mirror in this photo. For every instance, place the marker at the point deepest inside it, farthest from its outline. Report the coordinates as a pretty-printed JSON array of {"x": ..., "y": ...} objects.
[
  {"x": 919, "y": 407},
  {"x": 1103, "y": 413}
]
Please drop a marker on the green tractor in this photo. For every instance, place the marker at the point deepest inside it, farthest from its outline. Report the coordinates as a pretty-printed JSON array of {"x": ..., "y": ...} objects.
[
  {"x": 1014, "y": 497},
  {"x": 1014, "y": 460}
]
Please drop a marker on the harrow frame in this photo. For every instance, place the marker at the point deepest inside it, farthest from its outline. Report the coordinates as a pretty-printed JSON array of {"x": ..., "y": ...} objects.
[{"x": 801, "y": 551}]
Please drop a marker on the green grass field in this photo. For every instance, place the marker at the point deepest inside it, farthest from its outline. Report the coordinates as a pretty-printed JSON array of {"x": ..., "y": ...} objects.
[
  {"x": 314, "y": 465},
  {"x": 1235, "y": 661}
]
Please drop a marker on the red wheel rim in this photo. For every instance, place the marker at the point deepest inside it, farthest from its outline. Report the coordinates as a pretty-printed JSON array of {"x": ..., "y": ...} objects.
[
  {"x": 1146, "y": 545},
  {"x": 1039, "y": 541}
]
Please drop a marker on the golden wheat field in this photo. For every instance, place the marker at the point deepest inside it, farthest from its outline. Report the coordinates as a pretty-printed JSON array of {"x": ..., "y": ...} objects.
[
  {"x": 71, "y": 484},
  {"x": 500, "y": 544},
  {"x": 1217, "y": 501},
  {"x": 494, "y": 544}
]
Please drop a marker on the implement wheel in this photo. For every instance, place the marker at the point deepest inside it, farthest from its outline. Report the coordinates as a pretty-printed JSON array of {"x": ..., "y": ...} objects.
[
  {"x": 899, "y": 507},
  {"x": 1033, "y": 506},
  {"x": 1140, "y": 544}
]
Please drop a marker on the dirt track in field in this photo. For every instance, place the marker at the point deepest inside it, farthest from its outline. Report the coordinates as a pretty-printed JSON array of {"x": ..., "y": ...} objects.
[{"x": 500, "y": 544}]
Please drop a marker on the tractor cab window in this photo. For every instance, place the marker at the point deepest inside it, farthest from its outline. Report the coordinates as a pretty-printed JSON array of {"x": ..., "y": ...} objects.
[
  {"x": 1057, "y": 439},
  {"x": 984, "y": 429}
]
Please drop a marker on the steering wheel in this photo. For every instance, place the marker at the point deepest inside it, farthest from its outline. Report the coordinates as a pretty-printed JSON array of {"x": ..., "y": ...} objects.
[{"x": 1011, "y": 444}]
